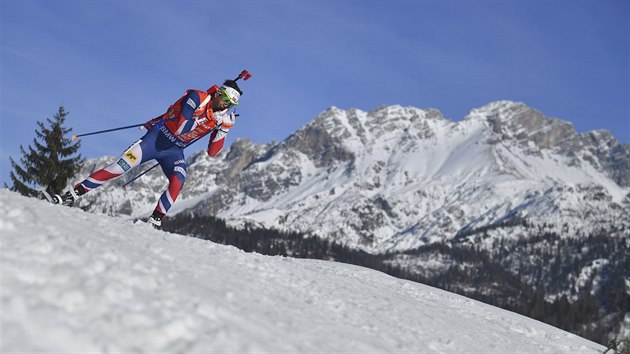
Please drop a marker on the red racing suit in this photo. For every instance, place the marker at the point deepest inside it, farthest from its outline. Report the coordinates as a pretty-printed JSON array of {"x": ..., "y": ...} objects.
[
  {"x": 192, "y": 117},
  {"x": 188, "y": 119}
]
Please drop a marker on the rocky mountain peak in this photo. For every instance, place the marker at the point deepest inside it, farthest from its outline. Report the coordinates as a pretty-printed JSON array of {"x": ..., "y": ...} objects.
[{"x": 516, "y": 121}]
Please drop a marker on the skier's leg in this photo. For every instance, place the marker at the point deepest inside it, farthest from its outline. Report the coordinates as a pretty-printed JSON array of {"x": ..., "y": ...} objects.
[
  {"x": 174, "y": 167},
  {"x": 176, "y": 179},
  {"x": 130, "y": 158}
]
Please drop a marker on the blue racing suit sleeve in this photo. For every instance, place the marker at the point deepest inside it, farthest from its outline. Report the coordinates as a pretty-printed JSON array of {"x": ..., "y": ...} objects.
[{"x": 189, "y": 104}]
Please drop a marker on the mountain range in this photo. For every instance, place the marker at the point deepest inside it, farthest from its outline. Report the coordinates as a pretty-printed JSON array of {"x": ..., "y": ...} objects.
[{"x": 400, "y": 177}]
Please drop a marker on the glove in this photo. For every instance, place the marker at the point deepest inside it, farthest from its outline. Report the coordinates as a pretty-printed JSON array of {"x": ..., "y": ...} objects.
[{"x": 227, "y": 122}]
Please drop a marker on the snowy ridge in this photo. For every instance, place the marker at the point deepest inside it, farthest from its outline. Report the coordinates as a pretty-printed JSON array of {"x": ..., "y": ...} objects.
[{"x": 78, "y": 282}]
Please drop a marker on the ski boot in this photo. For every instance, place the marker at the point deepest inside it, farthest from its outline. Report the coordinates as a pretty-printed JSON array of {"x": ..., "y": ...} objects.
[
  {"x": 70, "y": 196},
  {"x": 156, "y": 219}
]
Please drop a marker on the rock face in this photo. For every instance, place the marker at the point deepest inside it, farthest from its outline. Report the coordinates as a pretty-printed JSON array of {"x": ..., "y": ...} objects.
[{"x": 517, "y": 122}]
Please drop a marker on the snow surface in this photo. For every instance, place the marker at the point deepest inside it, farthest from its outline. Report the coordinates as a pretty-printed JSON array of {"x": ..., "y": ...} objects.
[{"x": 79, "y": 282}]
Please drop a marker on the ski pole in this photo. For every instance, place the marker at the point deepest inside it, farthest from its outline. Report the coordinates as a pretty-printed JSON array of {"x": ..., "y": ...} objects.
[
  {"x": 74, "y": 137},
  {"x": 140, "y": 175}
]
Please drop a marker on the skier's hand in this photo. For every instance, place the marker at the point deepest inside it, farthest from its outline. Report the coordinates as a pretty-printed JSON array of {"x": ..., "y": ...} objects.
[
  {"x": 228, "y": 122},
  {"x": 148, "y": 125}
]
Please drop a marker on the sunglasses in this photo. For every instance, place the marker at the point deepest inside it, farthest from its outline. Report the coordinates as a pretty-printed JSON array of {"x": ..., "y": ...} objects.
[{"x": 226, "y": 98}]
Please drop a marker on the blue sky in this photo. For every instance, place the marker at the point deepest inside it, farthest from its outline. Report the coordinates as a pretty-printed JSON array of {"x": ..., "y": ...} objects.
[{"x": 116, "y": 63}]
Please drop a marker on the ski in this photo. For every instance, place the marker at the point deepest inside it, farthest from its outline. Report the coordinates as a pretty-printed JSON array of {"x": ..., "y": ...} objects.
[
  {"x": 47, "y": 195},
  {"x": 53, "y": 199}
]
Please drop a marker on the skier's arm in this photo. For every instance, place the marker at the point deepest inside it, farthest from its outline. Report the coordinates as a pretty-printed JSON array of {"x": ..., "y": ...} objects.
[
  {"x": 187, "y": 106},
  {"x": 217, "y": 138},
  {"x": 189, "y": 103}
]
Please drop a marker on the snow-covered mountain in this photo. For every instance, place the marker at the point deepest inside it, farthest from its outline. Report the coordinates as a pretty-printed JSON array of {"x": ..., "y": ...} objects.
[
  {"x": 78, "y": 282},
  {"x": 397, "y": 178}
]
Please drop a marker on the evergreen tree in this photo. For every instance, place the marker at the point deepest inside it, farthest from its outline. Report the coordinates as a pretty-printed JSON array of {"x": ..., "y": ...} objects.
[{"x": 50, "y": 162}]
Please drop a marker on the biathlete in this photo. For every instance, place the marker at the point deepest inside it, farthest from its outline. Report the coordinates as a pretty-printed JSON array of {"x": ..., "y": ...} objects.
[{"x": 196, "y": 114}]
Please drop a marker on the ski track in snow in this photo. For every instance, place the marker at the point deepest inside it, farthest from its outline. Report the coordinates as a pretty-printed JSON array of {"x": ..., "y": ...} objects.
[{"x": 79, "y": 282}]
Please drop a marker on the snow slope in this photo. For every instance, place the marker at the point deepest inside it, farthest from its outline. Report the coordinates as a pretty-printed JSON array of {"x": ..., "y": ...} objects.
[{"x": 78, "y": 282}]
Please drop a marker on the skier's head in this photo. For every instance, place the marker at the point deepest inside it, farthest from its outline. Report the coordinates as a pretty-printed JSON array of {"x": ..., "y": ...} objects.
[
  {"x": 233, "y": 85},
  {"x": 228, "y": 95}
]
